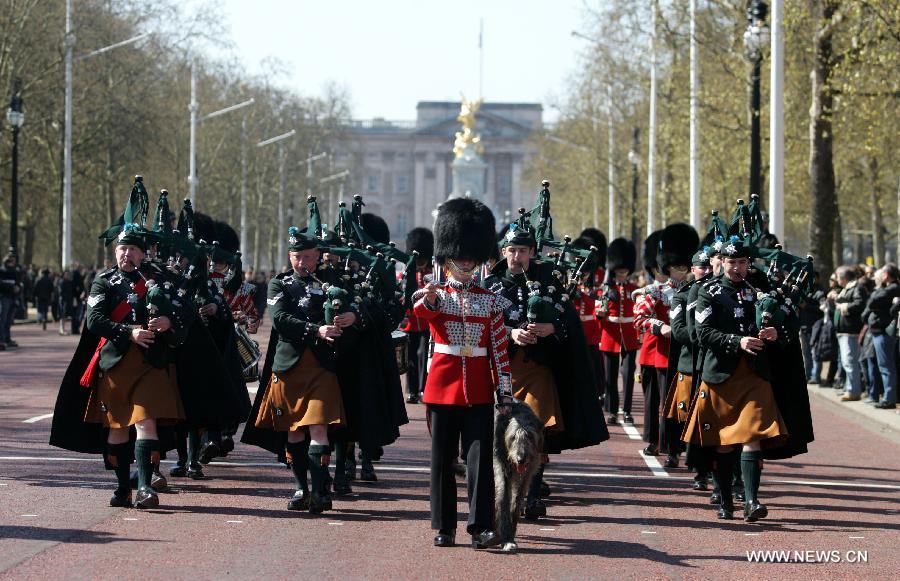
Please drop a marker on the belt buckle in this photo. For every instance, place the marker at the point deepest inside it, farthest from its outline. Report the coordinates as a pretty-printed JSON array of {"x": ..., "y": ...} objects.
[{"x": 466, "y": 351}]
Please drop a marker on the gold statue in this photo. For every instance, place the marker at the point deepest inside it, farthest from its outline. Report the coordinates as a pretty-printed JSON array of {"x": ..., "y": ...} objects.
[{"x": 467, "y": 136}]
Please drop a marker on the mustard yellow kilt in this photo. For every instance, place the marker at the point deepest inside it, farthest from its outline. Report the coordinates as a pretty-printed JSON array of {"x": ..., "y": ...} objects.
[
  {"x": 678, "y": 398},
  {"x": 535, "y": 385},
  {"x": 306, "y": 395},
  {"x": 133, "y": 390},
  {"x": 739, "y": 411}
]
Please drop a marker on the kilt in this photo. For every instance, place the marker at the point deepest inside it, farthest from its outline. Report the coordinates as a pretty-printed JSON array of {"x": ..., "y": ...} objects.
[
  {"x": 305, "y": 395},
  {"x": 536, "y": 386},
  {"x": 132, "y": 391},
  {"x": 678, "y": 398},
  {"x": 739, "y": 411}
]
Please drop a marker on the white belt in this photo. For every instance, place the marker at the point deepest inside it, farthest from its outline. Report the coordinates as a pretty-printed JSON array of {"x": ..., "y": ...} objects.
[
  {"x": 587, "y": 318},
  {"x": 460, "y": 350},
  {"x": 620, "y": 319}
]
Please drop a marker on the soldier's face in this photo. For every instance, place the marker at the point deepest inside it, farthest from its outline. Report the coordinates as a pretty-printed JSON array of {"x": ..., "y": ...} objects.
[
  {"x": 736, "y": 268},
  {"x": 700, "y": 271},
  {"x": 621, "y": 274},
  {"x": 678, "y": 273},
  {"x": 304, "y": 261},
  {"x": 715, "y": 262},
  {"x": 128, "y": 256},
  {"x": 518, "y": 257}
]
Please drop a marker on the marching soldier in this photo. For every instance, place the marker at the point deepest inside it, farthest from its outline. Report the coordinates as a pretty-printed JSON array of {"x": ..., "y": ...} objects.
[
  {"x": 584, "y": 303},
  {"x": 651, "y": 319},
  {"x": 300, "y": 399},
  {"x": 421, "y": 241},
  {"x": 469, "y": 365},
  {"x": 683, "y": 353},
  {"x": 125, "y": 359},
  {"x": 734, "y": 405},
  {"x": 618, "y": 337},
  {"x": 674, "y": 247}
]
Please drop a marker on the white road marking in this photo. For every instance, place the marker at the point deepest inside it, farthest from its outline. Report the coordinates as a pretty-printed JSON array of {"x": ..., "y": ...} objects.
[
  {"x": 129, "y": 518},
  {"x": 648, "y": 532},
  {"x": 857, "y": 537},
  {"x": 3, "y": 484},
  {"x": 654, "y": 465},
  {"x": 37, "y": 419},
  {"x": 424, "y": 470},
  {"x": 752, "y": 534},
  {"x": 29, "y": 515},
  {"x": 234, "y": 521},
  {"x": 631, "y": 431},
  {"x": 336, "y": 524},
  {"x": 547, "y": 529}
]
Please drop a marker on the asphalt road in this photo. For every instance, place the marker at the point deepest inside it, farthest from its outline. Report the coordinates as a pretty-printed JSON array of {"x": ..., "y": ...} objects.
[{"x": 612, "y": 513}]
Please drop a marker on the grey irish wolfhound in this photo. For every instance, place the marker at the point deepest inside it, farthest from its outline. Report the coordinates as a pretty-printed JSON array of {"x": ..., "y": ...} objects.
[{"x": 518, "y": 441}]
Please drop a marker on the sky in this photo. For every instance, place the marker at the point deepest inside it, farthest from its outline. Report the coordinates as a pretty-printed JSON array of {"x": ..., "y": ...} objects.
[{"x": 390, "y": 54}]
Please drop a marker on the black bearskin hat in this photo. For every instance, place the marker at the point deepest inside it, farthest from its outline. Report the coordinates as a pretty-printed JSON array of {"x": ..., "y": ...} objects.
[
  {"x": 585, "y": 243},
  {"x": 598, "y": 239},
  {"x": 376, "y": 227},
  {"x": 204, "y": 228},
  {"x": 677, "y": 245},
  {"x": 620, "y": 254},
  {"x": 227, "y": 237},
  {"x": 651, "y": 248},
  {"x": 464, "y": 229},
  {"x": 767, "y": 240},
  {"x": 420, "y": 240}
]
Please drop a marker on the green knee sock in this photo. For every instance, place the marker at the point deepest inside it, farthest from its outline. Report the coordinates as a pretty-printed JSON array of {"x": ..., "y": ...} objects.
[
  {"x": 751, "y": 470},
  {"x": 193, "y": 446},
  {"x": 317, "y": 472},
  {"x": 122, "y": 453},
  {"x": 299, "y": 462},
  {"x": 142, "y": 452}
]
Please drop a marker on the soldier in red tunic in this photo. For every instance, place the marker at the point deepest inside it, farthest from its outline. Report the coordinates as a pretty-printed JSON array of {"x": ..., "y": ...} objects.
[
  {"x": 618, "y": 337},
  {"x": 469, "y": 364},
  {"x": 667, "y": 258},
  {"x": 584, "y": 302},
  {"x": 419, "y": 240}
]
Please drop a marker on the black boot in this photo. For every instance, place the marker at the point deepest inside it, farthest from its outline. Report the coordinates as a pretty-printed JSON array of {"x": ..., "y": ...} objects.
[
  {"x": 211, "y": 448},
  {"x": 366, "y": 471},
  {"x": 319, "y": 500},
  {"x": 350, "y": 462},
  {"x": 341, "y": 482},
  {"x": 534, "y": 505},
  {"x": 722, "y": 475},
  {"x": 751, "y": 469},
  {"x": 143, "y": 450},
  {"x": 298, "y": 453},
  {"x": 119, "y": 457}
]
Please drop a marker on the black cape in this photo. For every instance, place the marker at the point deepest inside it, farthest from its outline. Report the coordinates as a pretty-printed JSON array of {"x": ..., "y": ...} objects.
[
  {"x": 792, "y": 397},
  {"x": 574, "y": 373}
]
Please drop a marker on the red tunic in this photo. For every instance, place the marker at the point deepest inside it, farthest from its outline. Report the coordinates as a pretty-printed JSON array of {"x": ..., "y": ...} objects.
[
  {"x": 617, "y": 332},
  {"x": 586, "y": 307},
  {"x": 466, "y": 319},
  {"x": 651, "y": 312},
  {"x": 242, "y": 300}
]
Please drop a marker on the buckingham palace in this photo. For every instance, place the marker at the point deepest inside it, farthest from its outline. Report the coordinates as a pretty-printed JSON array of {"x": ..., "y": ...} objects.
[{"x": 402, "y": 168}]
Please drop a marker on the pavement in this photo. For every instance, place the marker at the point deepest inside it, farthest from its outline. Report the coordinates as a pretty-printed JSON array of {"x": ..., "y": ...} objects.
[{"x": 613, "y": 513}]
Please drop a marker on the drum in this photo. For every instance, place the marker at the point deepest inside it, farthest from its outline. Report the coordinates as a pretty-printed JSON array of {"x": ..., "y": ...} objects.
[
  {"x": 400, "y": 341},
  {"x": 248, "y": 349}
]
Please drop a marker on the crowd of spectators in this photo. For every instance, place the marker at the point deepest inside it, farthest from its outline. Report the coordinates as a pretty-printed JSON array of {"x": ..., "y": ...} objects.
[
  {"x": 855, "y": 334},
  {"x": 60, "y": 298}
]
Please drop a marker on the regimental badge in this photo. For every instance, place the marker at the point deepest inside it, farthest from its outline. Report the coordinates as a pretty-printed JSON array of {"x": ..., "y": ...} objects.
[
  {"x": 715, "y": 290},
  {"x": 133, "y": 298},
  {"x": 738, "y": 312},
  {"x": 515, "y": 314}
]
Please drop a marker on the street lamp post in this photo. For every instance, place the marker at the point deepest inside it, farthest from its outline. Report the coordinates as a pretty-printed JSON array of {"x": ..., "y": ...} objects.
[
  {"x": 69, "y": 44},
  {"x": 309, "y": 170},
  {"x": 196, "y": 119},
  {"x": 776, "y": 123},
  {"x": 339, "y": 177},
  {"x": 15, "y": 116},
  {"x": 282, "y": 230},
  {"x": 756, "y": 37},
  {"x": 635, "y": 158}
]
